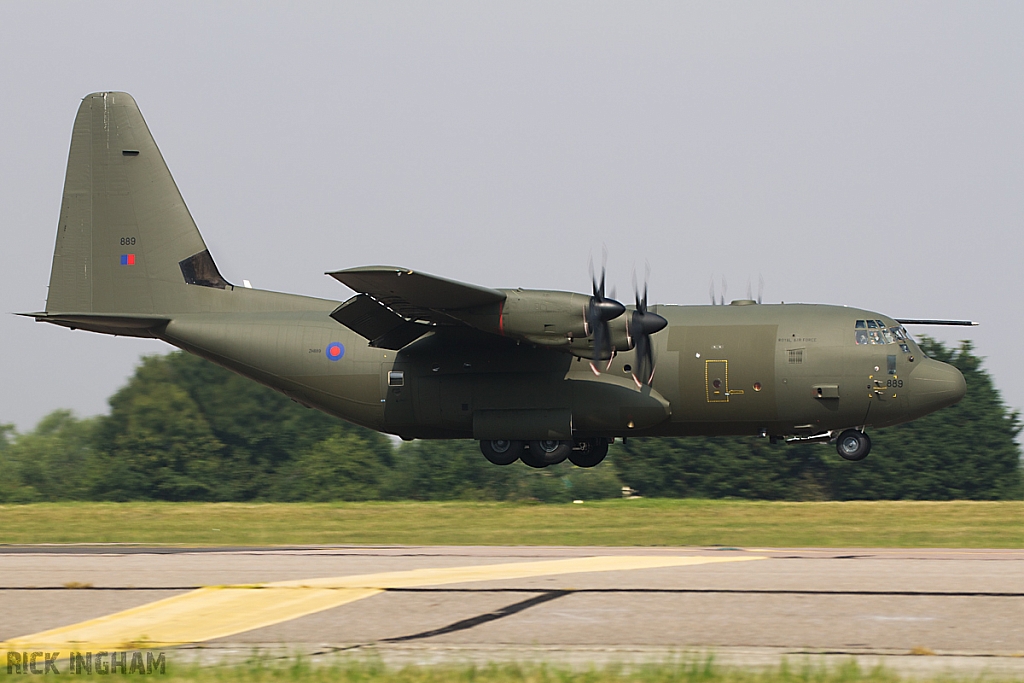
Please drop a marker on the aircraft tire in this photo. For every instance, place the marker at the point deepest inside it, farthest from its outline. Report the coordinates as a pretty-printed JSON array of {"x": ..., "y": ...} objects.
[
  {"x": 591, "y": 454},
  {"x": 853, "y": 445},
  {"x": 549, "y": 451},
  {"x": 501, "y": 451},
  {"x": 527, "y": 457}
]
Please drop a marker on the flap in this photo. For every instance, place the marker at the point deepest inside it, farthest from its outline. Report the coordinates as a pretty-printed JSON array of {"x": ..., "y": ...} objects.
[
  {"x": 372, "y": 320},
  {"x": 413, "y": 294}
]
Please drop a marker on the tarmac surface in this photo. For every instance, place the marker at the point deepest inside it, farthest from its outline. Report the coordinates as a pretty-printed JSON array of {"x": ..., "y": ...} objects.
[{"x": 915, "y": 611}]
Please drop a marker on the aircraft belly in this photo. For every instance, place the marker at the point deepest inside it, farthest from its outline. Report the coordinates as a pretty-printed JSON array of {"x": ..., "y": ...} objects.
[
  {"x": 446, "y": 404},
  {"x": 518, "y": 405}
]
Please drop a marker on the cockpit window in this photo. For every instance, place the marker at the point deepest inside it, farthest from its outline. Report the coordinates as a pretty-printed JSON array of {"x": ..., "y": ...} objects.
[{"x": 875, "y": 332}]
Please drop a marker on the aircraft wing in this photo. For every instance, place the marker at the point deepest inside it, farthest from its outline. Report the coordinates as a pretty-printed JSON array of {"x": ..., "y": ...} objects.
[
  {"x": 411, "y": 294},
  {"x": 396, "y": 306}
]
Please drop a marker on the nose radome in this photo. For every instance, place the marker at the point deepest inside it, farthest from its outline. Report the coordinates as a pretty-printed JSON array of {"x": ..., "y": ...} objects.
[{"x": 936, "y": 385}]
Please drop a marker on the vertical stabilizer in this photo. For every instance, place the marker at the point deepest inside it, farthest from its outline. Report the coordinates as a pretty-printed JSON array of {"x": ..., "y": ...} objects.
[{"x": 126, "y": 242}]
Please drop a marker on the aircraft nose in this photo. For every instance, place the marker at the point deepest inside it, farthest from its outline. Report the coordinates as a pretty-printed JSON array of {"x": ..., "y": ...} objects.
[{"x": 936, "y": 385}]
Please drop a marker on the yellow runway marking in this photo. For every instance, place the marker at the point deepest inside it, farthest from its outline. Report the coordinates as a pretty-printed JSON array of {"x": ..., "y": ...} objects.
[{"x": 220, "y": 611}]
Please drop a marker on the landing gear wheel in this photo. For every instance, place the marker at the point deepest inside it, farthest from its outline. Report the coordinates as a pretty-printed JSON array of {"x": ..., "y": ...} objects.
[
  {"x": 501, "y": 451},
  {"x": 549, "y": 451},
  {"x": 529, "y": 459},
  {"x": 589, "y": 453},
  {"x": 853, "y": 445}
]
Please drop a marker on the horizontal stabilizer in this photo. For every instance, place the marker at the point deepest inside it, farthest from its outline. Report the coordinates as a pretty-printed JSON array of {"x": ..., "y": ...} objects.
[
  {"x": 373, "y": 321},
  {"x": 414, "y": 295},
  {"x": 139, "y": 325},
  {"x": 924, "y": 321}
]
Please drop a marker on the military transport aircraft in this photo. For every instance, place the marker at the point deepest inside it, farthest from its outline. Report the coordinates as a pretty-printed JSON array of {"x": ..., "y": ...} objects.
[{"x": 534, "y": 375}]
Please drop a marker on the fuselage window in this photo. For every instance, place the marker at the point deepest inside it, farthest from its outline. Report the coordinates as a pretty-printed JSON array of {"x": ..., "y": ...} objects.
[{"x": 396, "y": 378}]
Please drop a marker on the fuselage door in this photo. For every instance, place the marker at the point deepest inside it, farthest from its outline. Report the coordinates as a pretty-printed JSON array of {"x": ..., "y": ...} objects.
[
  {"x": 716, "y": 381},
  {"x": 396, "y": 389}
]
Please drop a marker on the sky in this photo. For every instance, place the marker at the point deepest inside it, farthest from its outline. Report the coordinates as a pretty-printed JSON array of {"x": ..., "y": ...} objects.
[{"x": 860, "y": 153}]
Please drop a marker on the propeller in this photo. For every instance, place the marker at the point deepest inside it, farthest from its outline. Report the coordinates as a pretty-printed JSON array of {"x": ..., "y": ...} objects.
[
  {"x": 600, "y": 311},
  {"x": 725, "y": 288},
  {"x": 642, "y": 324}
]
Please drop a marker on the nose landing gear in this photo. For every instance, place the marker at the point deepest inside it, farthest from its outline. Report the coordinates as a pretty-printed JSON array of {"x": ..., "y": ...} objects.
[
  {"x": 853, "y": 445},
  {"x": 589, "y": 453}
]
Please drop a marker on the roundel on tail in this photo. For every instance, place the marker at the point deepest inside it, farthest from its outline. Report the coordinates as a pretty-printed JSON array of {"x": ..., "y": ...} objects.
[{"x": 335, "y": 351}]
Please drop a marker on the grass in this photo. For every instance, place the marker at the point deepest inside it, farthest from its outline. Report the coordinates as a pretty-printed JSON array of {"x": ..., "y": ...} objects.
[
  {"x": 683, "y": 670},
  {"x": 957, "y": 524}
]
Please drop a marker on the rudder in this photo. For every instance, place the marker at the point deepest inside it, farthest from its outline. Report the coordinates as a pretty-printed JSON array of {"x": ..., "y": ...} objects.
[{"x": 126, "y": 242}]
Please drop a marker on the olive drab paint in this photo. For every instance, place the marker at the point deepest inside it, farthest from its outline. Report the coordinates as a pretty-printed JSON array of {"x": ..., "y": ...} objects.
[{"x": 422, "y": 356}]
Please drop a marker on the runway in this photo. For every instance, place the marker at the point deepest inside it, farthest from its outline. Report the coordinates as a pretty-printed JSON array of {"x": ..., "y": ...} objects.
[{"x": 958, "y": 611}]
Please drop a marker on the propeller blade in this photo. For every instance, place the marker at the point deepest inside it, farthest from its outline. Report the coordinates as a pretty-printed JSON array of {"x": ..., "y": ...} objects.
[
  {"x": 643, "y": 324},
  {"x": 600, "y": 311},
  {"x": 644, "y": 361}
]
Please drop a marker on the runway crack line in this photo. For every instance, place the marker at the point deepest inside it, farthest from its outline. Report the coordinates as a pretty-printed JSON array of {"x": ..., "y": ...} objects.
[
  {"x": 697, "y": 591},
  {"x": 472, "y": 622},
  {"x": 728, "y": 591}
]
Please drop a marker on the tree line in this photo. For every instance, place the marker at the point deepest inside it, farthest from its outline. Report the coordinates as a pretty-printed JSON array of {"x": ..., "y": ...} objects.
[{"x": 184, "y": 429}]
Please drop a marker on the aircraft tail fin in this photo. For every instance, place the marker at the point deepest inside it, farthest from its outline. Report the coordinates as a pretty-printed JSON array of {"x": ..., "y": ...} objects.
[{"x": 126, "y": 242}]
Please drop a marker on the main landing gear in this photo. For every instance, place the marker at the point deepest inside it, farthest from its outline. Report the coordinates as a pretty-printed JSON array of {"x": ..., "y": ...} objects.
[
  {"x": 538, "y": 454},
  {"x": 853, "y": 444}
]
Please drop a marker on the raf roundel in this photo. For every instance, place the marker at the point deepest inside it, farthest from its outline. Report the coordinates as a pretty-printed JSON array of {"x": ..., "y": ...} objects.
[{"x": 335, "y": 351}]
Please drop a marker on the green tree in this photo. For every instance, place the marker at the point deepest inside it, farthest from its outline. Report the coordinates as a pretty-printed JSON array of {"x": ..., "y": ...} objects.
[
  {"x": 446, "y": 470},
  {"x": 721, "y": 467},
  {"x": 457, "y": 470},
  {"x": 11, "y": 489},
  {"x": 222, "y": 436},
  {"x": 159, "y": 444},
  {"x": 263, "y": 431},
  {"x": 52, "y": 462},
  {"x": 344, "y": 466}
]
